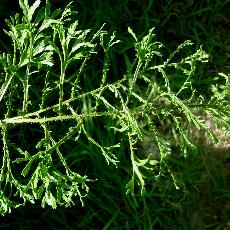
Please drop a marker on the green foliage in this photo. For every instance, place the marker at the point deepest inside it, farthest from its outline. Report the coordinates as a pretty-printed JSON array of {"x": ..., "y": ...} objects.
[{"x": 62, "y": 122}]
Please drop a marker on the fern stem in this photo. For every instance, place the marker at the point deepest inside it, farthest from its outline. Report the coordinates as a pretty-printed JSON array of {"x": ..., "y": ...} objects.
[
  {"x": 61, "y": 83},
  {"x": 26, "y": 92}
]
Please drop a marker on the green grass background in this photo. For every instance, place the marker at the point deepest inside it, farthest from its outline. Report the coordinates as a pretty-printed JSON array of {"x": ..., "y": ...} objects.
[{"x": 203, "y": 202}]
